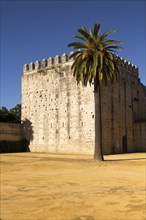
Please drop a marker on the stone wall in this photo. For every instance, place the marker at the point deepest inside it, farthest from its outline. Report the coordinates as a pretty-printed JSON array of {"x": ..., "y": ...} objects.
[
  {"x": 140, "y": 136},
  {"x": 10, "y": 131},
  {"x": 62, "y": 114}
]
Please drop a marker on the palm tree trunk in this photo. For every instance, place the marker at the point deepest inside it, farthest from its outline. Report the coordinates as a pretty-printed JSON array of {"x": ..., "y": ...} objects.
[{"x": 98, "y": 122}]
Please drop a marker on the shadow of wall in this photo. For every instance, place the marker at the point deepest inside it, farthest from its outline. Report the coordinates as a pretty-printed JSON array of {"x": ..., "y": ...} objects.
[{"x": 27, "y": 130}]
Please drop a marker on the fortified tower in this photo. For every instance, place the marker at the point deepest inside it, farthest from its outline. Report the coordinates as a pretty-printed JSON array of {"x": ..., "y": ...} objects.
[{"x": 62, "y": 114}]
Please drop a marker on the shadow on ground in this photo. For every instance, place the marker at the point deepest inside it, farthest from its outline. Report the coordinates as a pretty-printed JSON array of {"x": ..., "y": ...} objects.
[{"x": 81, "y": 158}]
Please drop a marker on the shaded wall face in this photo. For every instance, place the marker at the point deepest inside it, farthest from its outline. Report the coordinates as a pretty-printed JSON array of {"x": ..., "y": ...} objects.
[
  {"x": 61, "y": 113},
  {"x": 140, "y": 136},
  {"x": 10, "y": 132},
  {"x": 123, "y": 102},
  {"x": 139, "y": 103}
]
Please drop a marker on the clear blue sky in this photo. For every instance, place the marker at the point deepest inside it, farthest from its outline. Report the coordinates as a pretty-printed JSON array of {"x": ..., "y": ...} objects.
[{"x": 32, "y": 30}]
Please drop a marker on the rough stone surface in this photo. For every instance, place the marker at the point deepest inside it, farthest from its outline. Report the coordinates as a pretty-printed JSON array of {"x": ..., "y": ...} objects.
[
  {"x": 10, "y": 131},
  {"x": 62, "y": 114}
]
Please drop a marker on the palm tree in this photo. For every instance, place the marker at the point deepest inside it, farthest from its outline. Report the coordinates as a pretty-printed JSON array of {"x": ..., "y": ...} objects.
[{"x": 95, "y": 62}]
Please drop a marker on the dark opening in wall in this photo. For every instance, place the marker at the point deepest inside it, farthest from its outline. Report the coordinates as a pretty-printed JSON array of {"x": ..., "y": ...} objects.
[{"x": 124, "y": 143}]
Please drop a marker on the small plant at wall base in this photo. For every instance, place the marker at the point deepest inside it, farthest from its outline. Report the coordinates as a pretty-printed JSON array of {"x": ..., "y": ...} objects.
[{"x": 95, "y": 61}]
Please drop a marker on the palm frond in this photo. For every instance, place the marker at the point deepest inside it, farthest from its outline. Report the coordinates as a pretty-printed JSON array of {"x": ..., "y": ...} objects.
[
  {"x": 112, "y": 42},
  {"x": 113, "y": 48},
  {"x": 96, "y": 29},
  {"x": 79, "y": 37},
  {"x": 74, "y": 54},
  {"x": 84, "y": 33},
  {"x": 103, "y": 36},
  {"x": 95, "y": 64},
  {"x": 77, "y": 45},
  {"x": 91, "y": 32}
]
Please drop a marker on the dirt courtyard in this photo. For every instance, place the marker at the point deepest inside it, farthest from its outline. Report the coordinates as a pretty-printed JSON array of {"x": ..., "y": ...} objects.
[{"x": 37, "y": 186}]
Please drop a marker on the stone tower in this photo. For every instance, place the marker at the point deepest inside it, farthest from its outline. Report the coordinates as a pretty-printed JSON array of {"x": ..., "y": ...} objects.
[{"x": 62, "y": 114}]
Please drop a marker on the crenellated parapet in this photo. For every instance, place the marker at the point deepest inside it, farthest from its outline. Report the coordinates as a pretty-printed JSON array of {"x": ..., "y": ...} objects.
[
  {"x": 58, "y": 61},
  {"x": 127, "y": 65},
  {"x": 48, "y": 64}
]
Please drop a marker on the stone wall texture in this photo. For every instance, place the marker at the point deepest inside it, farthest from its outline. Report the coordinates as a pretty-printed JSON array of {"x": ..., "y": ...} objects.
[
  {"x": 140, "y": 136},
  {"x": 62, "y": 113},
  {"x": 10, "y": 131}
]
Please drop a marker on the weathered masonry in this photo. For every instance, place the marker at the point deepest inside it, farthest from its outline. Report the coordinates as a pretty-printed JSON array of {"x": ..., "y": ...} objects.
[
  {"x": 62, "y": 115},
  {"x": 10, "y": 131}
]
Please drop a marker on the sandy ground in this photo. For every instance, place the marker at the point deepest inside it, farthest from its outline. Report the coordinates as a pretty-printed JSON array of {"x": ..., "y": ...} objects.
[{"x": 38, "y": 186}]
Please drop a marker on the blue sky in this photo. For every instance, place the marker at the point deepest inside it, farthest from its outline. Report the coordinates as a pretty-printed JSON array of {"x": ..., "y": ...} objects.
[{"x": 32, "y": 30}]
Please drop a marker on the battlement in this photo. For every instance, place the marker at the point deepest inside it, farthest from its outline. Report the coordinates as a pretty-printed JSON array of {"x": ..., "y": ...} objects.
[
  {"x": 47, "y": 64},
  {"x": 127, "y": 65},
  {"x": 64, "y": 59}
]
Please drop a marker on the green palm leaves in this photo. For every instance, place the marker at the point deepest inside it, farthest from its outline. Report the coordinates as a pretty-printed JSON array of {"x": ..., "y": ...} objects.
[{"x": 94, "y": 54}]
